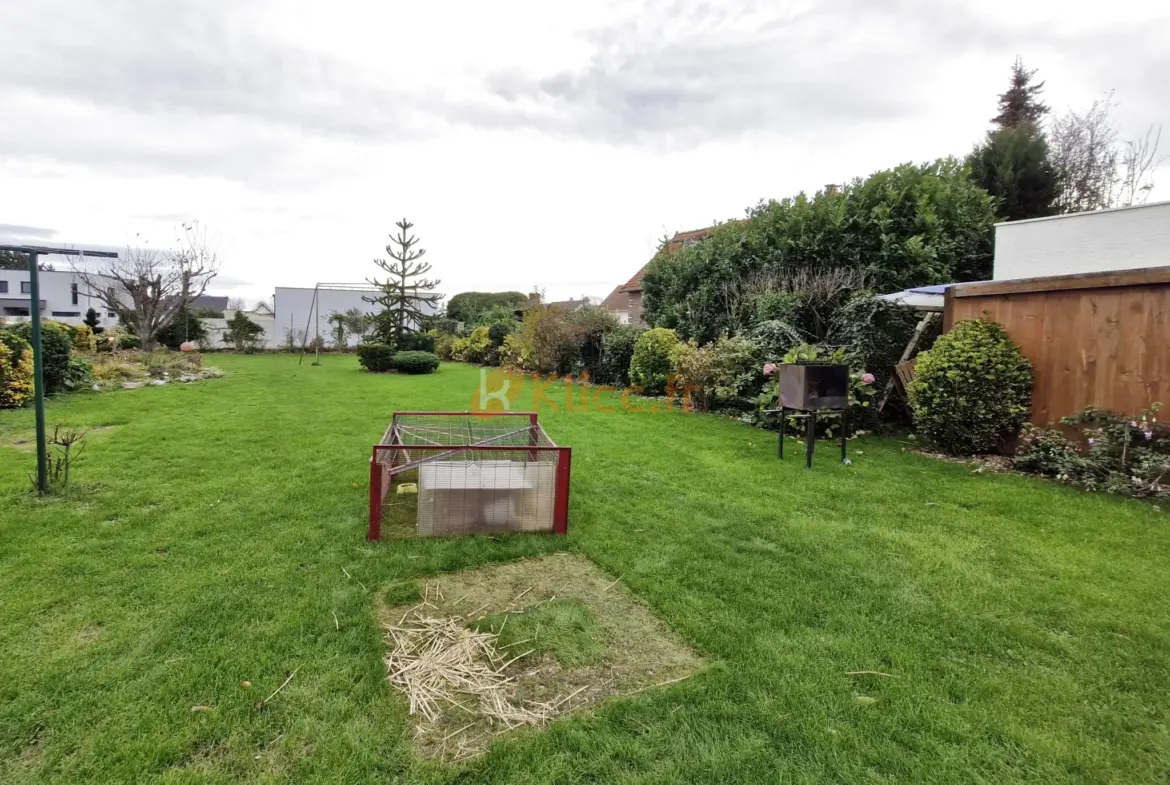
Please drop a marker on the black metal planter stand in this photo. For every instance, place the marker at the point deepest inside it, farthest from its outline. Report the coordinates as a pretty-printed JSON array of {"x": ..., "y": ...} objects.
[{"x": 811, "y": 429}]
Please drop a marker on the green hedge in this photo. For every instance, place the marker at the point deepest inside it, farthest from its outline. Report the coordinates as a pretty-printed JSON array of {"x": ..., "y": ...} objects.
[{"x": 415, "y": 362}]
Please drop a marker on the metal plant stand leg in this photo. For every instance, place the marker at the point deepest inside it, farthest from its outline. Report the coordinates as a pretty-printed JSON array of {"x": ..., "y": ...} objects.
[
  {"x": 811, "y": 440},
  {"x": 844, "y": 432},
  {"x": 782, "y": 425}
]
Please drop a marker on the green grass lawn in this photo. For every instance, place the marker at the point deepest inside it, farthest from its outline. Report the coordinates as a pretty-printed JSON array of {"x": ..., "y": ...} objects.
[{"x": 216, "y": 535}]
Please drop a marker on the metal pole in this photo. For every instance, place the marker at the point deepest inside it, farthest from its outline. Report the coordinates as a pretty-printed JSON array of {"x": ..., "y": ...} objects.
[{"x": 34, "y": 309}]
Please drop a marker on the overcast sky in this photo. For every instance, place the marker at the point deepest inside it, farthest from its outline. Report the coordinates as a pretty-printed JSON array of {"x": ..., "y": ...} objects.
[{"x": 533, "y": 143}]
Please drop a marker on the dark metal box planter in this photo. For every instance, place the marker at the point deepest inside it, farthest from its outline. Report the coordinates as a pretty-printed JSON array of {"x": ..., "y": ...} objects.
[{"x": 812, "y": 388}]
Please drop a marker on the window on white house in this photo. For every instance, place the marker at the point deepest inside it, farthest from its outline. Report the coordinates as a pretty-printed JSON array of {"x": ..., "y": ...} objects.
[
  {"x": 73, "y": 292},
  {"x": 3, "y": 287},
  {"x": 112, "y": 315},
  {"x": 67, "y": 313},
  {"x": 25, "y": 287}
]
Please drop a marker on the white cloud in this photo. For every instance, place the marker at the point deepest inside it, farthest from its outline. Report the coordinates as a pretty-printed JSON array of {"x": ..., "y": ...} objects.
[{"x": 532, "y": 143}]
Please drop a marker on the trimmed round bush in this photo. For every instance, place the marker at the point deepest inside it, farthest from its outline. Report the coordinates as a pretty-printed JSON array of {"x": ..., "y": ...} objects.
[
  {"x": 415, "y": 362},
  {"x": 972, "y": 390},
  {"x": 651, "y": 365},
  {"x": 375, "y": 357}
]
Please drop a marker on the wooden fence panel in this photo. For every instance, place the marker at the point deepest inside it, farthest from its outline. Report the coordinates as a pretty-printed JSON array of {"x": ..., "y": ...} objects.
[{"x": 1094, "y": 340}]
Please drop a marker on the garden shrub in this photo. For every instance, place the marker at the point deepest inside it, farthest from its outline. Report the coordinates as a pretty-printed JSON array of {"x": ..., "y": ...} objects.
[
  {"x": 592, "y": 324},
  {"x": 83, "y": 339},
  {"x": 874, "y": 333},
  {"x": 78, "y": 373},
  {"x": 775, "y": 338},
  {"x": 244, "y": 335},
  {"x": 1046, "y": 451},
  {"x": 972, "y": 389},
  {"x": 127, "y": 340},
  {"x": 375, "y": 357},
  {"x": 1123, "y": 454},
  {"x": 444, "y": 346},
  {"x": 652, "y": 363},
  {"x": 416, "y": 342},
  {"x": 776, "y": 306},
  {"x": 498, "y": 331},
  {"x": 695, "y": 373},
  {"x": 415, "y": 362},
  {"x": 185, "y": 325},
  {"x": 514, "y": 352},
  {"x": 739, "y": 372},
  {"x": 57, "y": 346},
  {"x": 473, "y": 348},
  {"x": 550, "y": 341},
  {"x": 16, "y": 371},
  {"x": 617, "y": 349}
]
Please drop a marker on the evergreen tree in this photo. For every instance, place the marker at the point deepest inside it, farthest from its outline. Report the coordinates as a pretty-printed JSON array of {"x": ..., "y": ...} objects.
[
  {"x": 1021, "y": 104},
  {"x": 91, "y": 319},
  {"x": 406, "y": 291},
  {"x": 1013, "y": 162},
  {"x": 1013, "y": 165}
]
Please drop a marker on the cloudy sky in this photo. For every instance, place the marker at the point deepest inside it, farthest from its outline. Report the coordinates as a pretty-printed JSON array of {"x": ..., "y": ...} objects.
[{"x": 533, "y": 143}]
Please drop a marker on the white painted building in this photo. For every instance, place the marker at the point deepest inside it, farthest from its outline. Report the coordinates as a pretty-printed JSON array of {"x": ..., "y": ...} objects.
[
  {"x": 296, "y": 314},
  {"x": 1121, "y": 238},
  {"x": 64, "y": 297}
]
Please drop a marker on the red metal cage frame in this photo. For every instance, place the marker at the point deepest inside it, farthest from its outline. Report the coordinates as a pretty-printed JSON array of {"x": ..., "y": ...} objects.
[{"x": 538, "y": 442}]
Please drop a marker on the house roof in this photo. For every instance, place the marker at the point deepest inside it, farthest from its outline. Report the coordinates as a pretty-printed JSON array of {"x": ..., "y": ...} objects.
[
  {"x": 210, "y": 301},
  {"x": 617, "y": 300},
  {"x": 680, "y": 240},
  {"x": 569, "y": 305}
]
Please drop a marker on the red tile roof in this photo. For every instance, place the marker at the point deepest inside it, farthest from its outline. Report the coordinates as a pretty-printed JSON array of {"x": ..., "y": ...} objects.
[{"x": 675, "y": 243}]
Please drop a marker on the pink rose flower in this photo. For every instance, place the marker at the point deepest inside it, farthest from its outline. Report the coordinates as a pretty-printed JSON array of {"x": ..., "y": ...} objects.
[
  {"x": 769, "y": 369},
  {"x": 867, "y": 378}
]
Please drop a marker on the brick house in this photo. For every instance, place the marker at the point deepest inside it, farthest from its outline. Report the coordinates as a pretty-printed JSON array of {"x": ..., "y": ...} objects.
[{"x": 626, "y": 299}]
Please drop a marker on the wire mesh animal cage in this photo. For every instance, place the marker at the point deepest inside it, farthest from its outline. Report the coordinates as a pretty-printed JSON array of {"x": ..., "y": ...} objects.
[{"x": 469, "y": 473}]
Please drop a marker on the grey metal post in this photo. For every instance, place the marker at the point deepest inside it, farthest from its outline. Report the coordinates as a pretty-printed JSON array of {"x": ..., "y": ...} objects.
[{"x": 34, "y": 293}]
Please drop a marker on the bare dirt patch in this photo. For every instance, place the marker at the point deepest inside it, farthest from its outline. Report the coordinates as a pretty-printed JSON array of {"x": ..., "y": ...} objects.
[{"x": 560, "y": 636}]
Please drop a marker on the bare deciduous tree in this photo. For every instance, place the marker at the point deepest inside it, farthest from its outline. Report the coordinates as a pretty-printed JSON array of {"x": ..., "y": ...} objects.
[
  {"x": 1096, "y": 168},
  {"x": 1084, "y": 152},
  {"x": 1139, "y": 159},
  {"x": 237, "y": 304},
  {"x": 147, "y": 287},
  {"x": 818, "y": 289}
]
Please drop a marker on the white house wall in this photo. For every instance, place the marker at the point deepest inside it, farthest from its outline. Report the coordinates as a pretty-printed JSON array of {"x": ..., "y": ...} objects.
[
  {"x": 1119, "y": 239},
  {"x": 56, "y": 291},
  {"x": 295, "y": 312}
]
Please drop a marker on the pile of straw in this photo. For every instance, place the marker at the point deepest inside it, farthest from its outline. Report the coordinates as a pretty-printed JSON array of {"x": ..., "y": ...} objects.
[{"x": 438, "y": 660}]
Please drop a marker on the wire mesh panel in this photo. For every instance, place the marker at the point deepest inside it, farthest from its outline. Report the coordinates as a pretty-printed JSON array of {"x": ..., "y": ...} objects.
[{"x": 473, "y": 473}]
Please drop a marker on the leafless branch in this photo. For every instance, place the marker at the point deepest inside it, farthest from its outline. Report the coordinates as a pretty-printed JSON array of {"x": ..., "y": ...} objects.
[
  {"x": 1139, "y": 159},
  {"x": 147, "y": 287}
]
